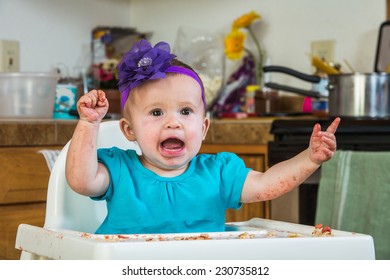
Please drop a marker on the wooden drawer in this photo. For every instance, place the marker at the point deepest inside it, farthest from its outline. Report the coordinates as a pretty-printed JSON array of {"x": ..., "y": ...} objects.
[
  {"x": 11, "y": 216},
  {"x": 24, "y": 175}
]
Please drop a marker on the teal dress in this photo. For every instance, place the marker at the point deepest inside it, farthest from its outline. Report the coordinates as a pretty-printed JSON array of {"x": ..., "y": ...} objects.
[{"x": 140, "y": 201}]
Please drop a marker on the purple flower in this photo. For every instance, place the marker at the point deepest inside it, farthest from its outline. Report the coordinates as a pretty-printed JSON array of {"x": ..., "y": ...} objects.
[{"x": 142, "y": 63}]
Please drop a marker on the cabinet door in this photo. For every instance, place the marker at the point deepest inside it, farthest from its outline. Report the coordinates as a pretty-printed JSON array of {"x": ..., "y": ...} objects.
[
  {"x": 11, "y": 216},
  {"x": 24, "y": 175}
]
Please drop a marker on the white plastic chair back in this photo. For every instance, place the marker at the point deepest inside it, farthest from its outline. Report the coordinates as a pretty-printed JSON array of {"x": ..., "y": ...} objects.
[{"x": 66, "y": 209}]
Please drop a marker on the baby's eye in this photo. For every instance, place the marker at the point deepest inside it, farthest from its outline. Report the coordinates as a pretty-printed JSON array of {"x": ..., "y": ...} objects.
[
  {"x": 186, "y": 111},
  {"x": 156, "y": 113}
]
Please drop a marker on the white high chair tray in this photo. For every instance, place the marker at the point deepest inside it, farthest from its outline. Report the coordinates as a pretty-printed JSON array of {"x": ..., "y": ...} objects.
[{"x": 253, "y": 239}]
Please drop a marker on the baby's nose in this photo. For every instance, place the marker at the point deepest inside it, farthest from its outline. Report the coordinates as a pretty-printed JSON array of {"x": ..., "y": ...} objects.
[{"x": 173, "y": 123}]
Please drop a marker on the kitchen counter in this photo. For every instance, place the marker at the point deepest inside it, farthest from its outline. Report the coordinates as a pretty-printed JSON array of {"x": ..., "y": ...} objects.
[
  {"x": 35, "y": 132},
  {"x": 250, "y": 131},
  {"x": 41, "y": 132}
]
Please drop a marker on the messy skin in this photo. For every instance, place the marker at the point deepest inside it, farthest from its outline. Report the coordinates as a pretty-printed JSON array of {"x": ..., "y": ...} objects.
[
  {"x": 83, "y": 173},
  {"x": 285, "y": 176},
  {"x": 167, "y": 119}
]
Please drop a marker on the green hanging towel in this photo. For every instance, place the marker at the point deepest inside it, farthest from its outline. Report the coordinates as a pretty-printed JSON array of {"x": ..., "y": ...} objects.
[{"x": 354, "y": 195}]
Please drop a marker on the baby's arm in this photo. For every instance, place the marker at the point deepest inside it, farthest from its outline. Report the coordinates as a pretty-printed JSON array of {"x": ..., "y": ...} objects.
[
  {"x": 83, "y": 172},
  {"x": 285, "y": 176}
]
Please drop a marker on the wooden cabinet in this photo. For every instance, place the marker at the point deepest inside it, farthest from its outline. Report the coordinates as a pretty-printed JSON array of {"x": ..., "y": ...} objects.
[
  {"x": 24, "y": 177},
  {"x": 11, "y": 216},
  {"x": 388, "y": 9}
]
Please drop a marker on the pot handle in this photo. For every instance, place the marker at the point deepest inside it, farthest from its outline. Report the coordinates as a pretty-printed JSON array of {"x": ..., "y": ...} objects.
[
  {"x": 281, "y": 69},
  {"x": 303, "y": 92}
]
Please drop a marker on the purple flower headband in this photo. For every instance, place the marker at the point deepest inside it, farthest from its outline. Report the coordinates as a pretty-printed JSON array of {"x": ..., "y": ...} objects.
[{"x": 144, "y": 62}]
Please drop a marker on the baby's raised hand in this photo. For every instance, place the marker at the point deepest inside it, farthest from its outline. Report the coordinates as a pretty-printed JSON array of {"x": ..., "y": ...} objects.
[
  {"x": 323, "y": 143},
  {"x": 92, "y": 106}
]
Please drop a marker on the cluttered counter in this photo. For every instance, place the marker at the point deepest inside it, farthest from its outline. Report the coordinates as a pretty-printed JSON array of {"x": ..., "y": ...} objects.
[{"x": 28, "y": 148}]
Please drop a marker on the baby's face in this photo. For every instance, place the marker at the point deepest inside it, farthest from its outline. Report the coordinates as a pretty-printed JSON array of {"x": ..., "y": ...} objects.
[{"x": 168, "y": 120}]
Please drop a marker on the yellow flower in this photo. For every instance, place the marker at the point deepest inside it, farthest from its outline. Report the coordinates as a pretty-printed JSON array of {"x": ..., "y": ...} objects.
[
  {"x": 234, "y": 44},
  {"x": 245, "y": 20}
]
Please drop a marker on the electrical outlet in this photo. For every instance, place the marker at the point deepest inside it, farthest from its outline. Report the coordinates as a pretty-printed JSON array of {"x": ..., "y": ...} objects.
[
  {"x": 323, "y": 49},
  {"x": 9, "y": 56}
]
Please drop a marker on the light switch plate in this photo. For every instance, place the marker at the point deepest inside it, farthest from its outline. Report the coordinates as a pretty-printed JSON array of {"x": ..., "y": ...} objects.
[
  {"x": 9, "y": 56},
  {"x": 323, "y": 49}
]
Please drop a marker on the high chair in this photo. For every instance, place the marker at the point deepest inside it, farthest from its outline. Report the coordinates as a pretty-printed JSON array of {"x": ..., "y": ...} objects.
[{"x": 71, "y": 220}]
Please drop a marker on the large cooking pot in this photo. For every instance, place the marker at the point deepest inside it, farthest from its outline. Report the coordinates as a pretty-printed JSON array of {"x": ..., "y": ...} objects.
[{"x": 350, "y": 95}]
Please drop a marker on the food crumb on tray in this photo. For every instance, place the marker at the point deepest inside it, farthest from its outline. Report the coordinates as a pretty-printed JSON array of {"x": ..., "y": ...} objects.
[
  {"x": 245, "y": 235},
  {"x": 321, "y": 230},
  {"x": 318, "y": 231}
]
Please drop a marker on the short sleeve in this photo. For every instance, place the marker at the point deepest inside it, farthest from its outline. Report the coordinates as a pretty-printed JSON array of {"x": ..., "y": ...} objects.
[
  {"x": 233, "y": 176},
  {"x": 111, "y": 160}
]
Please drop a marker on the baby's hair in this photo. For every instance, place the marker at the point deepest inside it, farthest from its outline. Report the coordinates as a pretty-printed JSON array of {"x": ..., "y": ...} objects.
[{"x": 177, "y": 62}]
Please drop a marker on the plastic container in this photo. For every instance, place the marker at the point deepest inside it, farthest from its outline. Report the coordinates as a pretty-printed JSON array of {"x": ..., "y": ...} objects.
[
  {"x": 27, "y": 94},
  {"x": 65, "y": 101},
  {"x": 250, "y": 98}
]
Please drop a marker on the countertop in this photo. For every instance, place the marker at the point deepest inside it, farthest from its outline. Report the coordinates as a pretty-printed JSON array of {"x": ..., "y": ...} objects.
[
  {"x": 53, "y": 132},
  {"x": 35, "y": 132}
]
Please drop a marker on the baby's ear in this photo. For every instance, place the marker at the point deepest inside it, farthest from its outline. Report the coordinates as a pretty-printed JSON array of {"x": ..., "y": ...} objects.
[
  {"x": 127, "y": 129},
  {"x": 206, "y": 126}
]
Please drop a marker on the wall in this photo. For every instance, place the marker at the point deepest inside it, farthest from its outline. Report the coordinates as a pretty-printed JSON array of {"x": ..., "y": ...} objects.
[
  {"x": 57, "y": 31},
  {"x": 286, "y": 29}
]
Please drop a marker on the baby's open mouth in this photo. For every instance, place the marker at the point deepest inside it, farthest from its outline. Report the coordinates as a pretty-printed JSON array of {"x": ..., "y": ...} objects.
[{"x": 172, "y": 144}]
